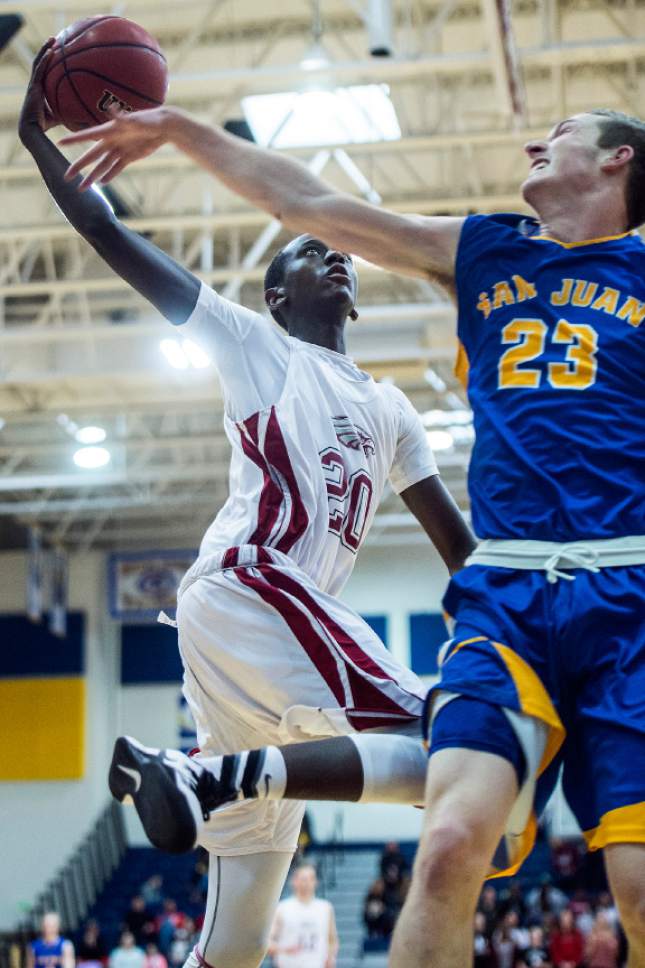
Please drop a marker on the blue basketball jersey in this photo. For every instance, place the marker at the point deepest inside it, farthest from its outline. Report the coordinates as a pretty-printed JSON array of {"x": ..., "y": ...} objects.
[
  {"x": 48, "y": 955},
  {"x": 552, "y": 345}
]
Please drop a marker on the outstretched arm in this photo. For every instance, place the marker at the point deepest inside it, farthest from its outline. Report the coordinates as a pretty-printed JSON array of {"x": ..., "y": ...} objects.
[
  {"x": 411, "y": 244},
  {"x": 434, "y": 508},
  {"x": 162, "y": 281}
]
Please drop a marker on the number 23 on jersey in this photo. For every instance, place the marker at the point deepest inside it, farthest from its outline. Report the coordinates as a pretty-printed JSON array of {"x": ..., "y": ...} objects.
[{"x": 576, "y": 371}]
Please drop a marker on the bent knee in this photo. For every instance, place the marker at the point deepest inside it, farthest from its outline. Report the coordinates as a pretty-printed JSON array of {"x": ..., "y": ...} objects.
[{"x": 448, "y": 853}]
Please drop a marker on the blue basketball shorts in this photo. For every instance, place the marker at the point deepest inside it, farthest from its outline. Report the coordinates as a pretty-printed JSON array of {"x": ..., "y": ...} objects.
[{"x": 571, "y": 654}]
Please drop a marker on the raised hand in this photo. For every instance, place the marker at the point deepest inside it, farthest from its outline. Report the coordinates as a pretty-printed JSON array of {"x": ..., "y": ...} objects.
[
  {"x": 128, "y": 137},
  {"x": 35, "y": 110}
]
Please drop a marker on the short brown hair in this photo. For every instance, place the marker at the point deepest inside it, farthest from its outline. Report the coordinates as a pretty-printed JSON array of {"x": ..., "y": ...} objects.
[{"x": 618, "y": 129}]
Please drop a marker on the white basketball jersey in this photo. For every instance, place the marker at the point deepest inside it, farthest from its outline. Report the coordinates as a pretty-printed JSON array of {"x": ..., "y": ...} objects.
[
  {"x": 304, "y": 927},
  {"x": 314, "y": 442}
]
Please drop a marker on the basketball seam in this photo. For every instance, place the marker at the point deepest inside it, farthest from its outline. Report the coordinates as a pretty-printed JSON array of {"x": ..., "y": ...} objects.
[
  {"x": 67, "y": 74},
  {"x": 111, "y": 80},
  {"x": 95, "y": 23},
  {"x": 82, "y": 50}
]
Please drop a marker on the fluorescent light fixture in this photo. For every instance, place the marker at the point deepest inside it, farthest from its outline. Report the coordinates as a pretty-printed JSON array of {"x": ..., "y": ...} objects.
[
  {"x": 195, "y": 354},
  {"x": 440, "y": 439},
  {"x": 174, "y": 353},
  {"x": 447, "y": 418},
  {"x": 346, "y": 115},
  {"x": 90, "y": 458},
  {"x": 316, "y": 57},
  {"x": 90, "y": 435},
  {"x": 2, "y": 422}
]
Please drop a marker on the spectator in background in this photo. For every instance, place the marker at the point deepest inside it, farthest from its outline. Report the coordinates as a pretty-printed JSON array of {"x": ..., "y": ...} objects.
[
  {"x": 606, "y": 904},
  {"x": 536, "y": 955},
  {"x": 488, "y": 907},
  {"x": 92, "y": 952},
  {"x": 378, "y": 918},
  {"x": 182, "y": 943},
  {"x": 167, "y": 923},
  {"x": 393, "y": 863},
  {"x": 546, "y": 899},
  {"x": 565, "y": 860},
  {"x": 304, "y": 929},
  {"x": 138, "y": 920},
  {"x": 51, "y": 950},
  {"x": 567, "y": 943},
  {"x": 127, "y": 954},
  {"x": 518, "y": 934},
  {"x": 512, "y": 899},
  {"x": 505, "y": 949},
  {"x": 483, "y": 954},
  {"x": 154, "y": 958},
  {"x": 601, "y": 948},
  {"x": 151, "y": 892}
]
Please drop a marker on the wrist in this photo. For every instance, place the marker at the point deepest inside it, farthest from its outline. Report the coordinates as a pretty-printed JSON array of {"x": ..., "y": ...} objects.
[
  {"x": 29, "y": 130},
  {"x": 176, "y": 126}
]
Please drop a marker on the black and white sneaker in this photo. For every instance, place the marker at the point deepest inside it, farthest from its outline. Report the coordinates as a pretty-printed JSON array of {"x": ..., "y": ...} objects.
[{"x": 171, "y": 792}]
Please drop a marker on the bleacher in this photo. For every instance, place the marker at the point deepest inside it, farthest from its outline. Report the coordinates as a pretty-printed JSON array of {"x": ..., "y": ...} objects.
[{"x": 345, "y": 876}]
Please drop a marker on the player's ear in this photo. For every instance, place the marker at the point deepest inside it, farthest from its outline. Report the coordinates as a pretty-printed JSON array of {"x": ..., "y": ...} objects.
[
  {"x": 275, "y": 297},
  {"x": 617, "y": 158}
]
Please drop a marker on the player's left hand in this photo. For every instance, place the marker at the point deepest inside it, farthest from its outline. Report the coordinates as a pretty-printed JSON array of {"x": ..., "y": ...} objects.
[
  {"x": 35, "y": 110},
  {"x": 128, "y": 137}
]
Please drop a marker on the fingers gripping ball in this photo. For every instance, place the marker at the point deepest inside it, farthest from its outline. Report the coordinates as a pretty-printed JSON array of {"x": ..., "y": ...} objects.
[{"x": 102, "y": 62}]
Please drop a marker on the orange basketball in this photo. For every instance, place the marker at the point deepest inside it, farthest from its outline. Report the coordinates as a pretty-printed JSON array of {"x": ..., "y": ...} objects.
[{"x": 102, "y": 61}]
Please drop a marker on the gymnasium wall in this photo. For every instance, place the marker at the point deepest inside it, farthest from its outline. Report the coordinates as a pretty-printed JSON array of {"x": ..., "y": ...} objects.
[{"x": 42, "y": 820}]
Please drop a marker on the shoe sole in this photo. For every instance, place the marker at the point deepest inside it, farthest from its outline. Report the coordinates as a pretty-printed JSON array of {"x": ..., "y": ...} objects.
[{"x": 138, "y": 775}]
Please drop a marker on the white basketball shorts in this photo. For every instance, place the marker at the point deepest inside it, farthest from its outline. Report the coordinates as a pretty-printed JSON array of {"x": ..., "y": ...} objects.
[{"x": 270, "y": 659}]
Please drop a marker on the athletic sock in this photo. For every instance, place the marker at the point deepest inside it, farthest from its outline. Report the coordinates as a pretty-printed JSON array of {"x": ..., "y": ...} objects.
[
  {"x": 394, "y": 768},
  {"x": 254, "y": 774}
]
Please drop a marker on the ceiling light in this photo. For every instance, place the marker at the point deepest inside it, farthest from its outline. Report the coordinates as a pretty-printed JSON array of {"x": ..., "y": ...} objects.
[
  {"x": 2, "y": 422},
  {"x": 346, "y": 115},
  {"x": 439, "y": 439},
  {"x": 91, "y": 457},
  {"x": 195, "y": 354},
  {"x": 315, "y": 58},
  {"x": 174, "y": 353},
  {"x": 90, "y": 435}
]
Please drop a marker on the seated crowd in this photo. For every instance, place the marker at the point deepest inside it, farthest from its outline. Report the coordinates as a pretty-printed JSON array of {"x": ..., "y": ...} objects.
[
  {"x": 154, "y": 932},
  {"x": 568, "y": 921}
]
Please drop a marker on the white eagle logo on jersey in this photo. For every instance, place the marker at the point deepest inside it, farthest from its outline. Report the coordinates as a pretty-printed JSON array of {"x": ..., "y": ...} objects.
[{"x": 352, "y": 436}]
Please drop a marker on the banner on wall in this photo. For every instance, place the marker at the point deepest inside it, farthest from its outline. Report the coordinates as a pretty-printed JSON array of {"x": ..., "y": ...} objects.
[
  {"x": 58, "y": 593},
  {"x": 35, "y": 576},
  {"x": 141, "y": 584}
]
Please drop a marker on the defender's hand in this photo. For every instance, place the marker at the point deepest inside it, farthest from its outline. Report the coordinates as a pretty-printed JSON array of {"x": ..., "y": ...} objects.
[
  {"x": 35, "y": 110},
  {"x": 128, "y": 137}
]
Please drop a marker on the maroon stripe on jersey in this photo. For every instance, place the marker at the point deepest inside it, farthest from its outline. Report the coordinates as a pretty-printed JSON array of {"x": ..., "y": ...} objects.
[
  {"x": 314, "y": 645},
  {"x": 200, "y": 958},
  {"x": 367, "y": 695},
  {"x": 271, "y": 496},
  {"x": 230, "y": 558},
  {"x": 350, "y": 647},
  {"x": 278, "y": 457},
  {"x": 264, "y": 557}
]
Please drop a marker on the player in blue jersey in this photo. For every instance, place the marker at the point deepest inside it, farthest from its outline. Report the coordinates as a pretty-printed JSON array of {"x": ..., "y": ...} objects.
[
  {"x": 547, "y": 661},
  {"x": 50, "y": 950}
]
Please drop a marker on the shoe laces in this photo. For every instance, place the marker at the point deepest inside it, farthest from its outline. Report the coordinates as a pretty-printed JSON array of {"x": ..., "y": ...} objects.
[{"x": 211, "y": 792}]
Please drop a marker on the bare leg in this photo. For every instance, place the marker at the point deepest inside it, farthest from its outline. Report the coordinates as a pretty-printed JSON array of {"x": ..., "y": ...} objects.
[
  {"x": 626, "y": 870},
  {"x": 469, "y": 795}
]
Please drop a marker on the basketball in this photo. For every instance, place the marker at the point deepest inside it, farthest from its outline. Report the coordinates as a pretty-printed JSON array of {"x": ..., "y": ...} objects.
[{"x": 100, "y": 62}]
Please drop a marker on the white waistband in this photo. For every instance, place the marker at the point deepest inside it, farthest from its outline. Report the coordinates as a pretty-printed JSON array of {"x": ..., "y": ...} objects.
[{"x": 552, "y": 556}]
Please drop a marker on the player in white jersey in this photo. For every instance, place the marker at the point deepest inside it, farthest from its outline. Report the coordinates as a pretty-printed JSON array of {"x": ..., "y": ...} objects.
[
  {"x": 304, "y": 928},
  {"x": 270, "y": 654}
]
